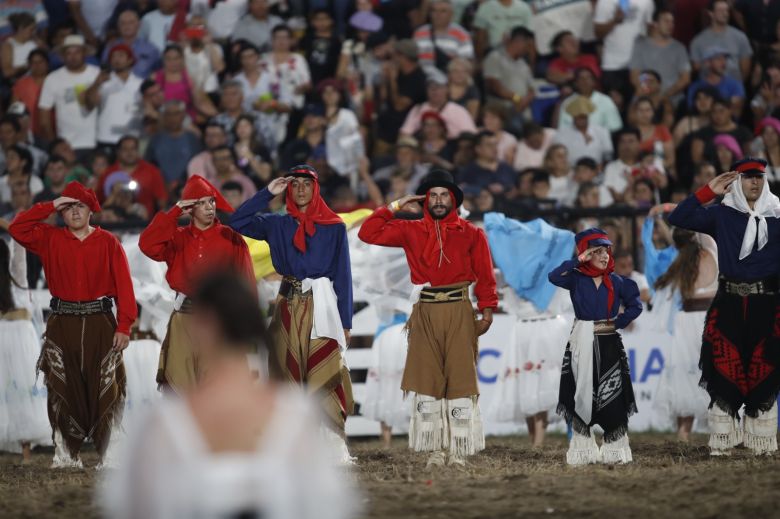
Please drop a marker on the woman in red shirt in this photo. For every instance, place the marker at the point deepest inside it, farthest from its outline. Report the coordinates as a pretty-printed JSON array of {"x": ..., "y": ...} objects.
[
  {"x": 28, "y": 88},
  {"x": 654, "y": 137}
]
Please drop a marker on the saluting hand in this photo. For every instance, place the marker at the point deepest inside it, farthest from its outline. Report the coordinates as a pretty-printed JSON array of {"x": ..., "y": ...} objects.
[
  {"x": 186, "y": 206},
  {"x": 721, "y": 184},
  {"x": 587, "y": 255},
  {"x": 278, "y": 185},
  {"x": 62, "y": 201},
  {"x": 398, "y": 204}
]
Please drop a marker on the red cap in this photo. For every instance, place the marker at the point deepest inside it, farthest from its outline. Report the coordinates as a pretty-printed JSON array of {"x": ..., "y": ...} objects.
[
  {"x": 83, "y": 194},
  {"x": 436, "y": 116},
  {"x": 198, "y": 187},
  {"x": 122, "y": 47}
]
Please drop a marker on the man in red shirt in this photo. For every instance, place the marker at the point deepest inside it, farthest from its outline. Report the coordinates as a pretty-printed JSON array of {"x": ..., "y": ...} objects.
[
  {"x": 445, "y": 255},
  {"x": 150, "y": 191},
  {"x": 191, "y": 251},
  {"x": 81, "y": 359}
]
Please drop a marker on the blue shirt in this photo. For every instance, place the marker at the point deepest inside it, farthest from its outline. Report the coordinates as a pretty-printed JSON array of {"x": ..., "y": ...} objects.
[
  {"x": 728, "y": 88},
  {"x": 327, "y": 252},
  {"x": 657, "y": 261},
  {"x": 727, "y": 226},
  {"x": 172, "y": 153},
  {"x": 147, "y": 57},
  {"x": 590, "y": 303}
]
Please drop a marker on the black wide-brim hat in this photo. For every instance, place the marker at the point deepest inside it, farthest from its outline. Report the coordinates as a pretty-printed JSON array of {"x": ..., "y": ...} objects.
[{"x": 440, "y": 178}]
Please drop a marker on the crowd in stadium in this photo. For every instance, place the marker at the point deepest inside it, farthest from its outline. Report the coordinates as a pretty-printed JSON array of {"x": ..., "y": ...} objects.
[{"x": 533, "y": 105}]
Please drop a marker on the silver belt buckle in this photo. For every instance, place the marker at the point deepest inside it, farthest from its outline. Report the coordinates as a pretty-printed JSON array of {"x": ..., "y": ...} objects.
[{"x": 743, "y": 289}]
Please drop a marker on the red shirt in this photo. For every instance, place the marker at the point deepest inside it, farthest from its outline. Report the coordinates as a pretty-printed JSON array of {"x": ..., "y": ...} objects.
[
  {"x": 583, "y": 61},
  {"x": 467, "y": 250},
  {"x": 151, "y": 186},
  {"x": 78, "y": 270},
  {"x": 190, "y": 252}
]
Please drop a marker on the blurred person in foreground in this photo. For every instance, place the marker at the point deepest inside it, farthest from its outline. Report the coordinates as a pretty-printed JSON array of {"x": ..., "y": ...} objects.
[
  {"x": 86, "y": 268},
  {"x": 234, "y": 446}
]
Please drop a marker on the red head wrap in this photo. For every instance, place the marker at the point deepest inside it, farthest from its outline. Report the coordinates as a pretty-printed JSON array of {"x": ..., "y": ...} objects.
[
  {"x": 317, "y": 212},
  {"x": 83, "y": 194},
  {"x": 589, "y": 270},
  {"x": 198, "y": 187}
]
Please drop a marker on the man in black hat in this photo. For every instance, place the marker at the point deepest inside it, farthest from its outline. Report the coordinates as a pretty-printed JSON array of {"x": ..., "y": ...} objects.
[
  {"x": 446, "y": 254},
  {"x": 740, "y": 347}
]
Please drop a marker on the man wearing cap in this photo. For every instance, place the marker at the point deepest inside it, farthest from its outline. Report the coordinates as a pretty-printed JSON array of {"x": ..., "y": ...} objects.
[
  {"x": 191, "y": 251},
  {"x": 117, "y": 95},
  {"x": 726, "y": 36},
  {"x": 740, "y": 349},
  {"x": 715, "y": 75},
  {"x": 446, "y": 254},
  {"x": 313, "y": 314},
  {"x": 128, "y": 24},
  {"x": 584, "y": 139},
  {"x": 456, "y": 117},
  {"x": 81, "y": 359},
  {"x": 64, "y": 91}
]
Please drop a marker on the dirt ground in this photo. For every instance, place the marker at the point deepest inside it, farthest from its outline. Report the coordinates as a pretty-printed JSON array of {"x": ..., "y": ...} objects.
[{"x": 509, "y": 479}]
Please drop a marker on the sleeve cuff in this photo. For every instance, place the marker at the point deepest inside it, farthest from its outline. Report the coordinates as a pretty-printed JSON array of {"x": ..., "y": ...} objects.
[
  {"x": 705, "y": 194},
  {"x": 175, "y": 211}
]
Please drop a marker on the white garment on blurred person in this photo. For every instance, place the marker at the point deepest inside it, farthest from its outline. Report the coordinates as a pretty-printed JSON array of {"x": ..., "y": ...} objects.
[
  {"x": 62, "y": 91},
  {"x": 120, "y": 108},
  {"x": 170, "y": 472}
]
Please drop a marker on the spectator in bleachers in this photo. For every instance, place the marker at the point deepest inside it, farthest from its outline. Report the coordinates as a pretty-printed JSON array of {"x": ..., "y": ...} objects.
[
  {"x": 727, "y": 152},
  {"x": 705, "y": 172},
  {"x": 64, "y": 91},
  {"x": 457, "y": 118},
  {"x": 436, "y": 149},
  {"x": 253, "y": 158},
  {"x": 618, "y": 23},
  {"x": 588, "y": 197},
  {"x": 553, "y": 18},
  {"x": 156, "y": 25},
  {"x": 15, "y": 50},
  {"x": 91, "y": 17},
  {"x": 18, "y": 168},
  {"x": 720, "y": 122},
  {"x": 117, "y": 97},
  {"x": 321, "y": 46},
  {"x": 488, "y": 170},
  {"x": 650, "y": 88},
  {"x": 214, "y": 135},
  {"x": 561, "y": 70},
  {"x": 406, "y": 166},
  {"x": 494, "y": 119},
  {"x": 151, "y": 191},
  {"x": 587, "y": 171},
  {"x": 10, "y": 135},
  {"x": 641, "y": 194},
  {"x": 76, "y": 169},
  {"x": 343, "y": 141},
  {"x": 584, "y": 139},
  {"x": 617, "y": 174},
  {"x": 231, "y": 101},
  {"x": 256, "y": 25},
  {"x": 25, "y": 138},
  {"x": 249, "y": 77},
  {"x": 27, "y": 88},
  {"x": 624, "y": 266},
  {"x": 120, "y": 201},
  {"x": 147, "y": 57},
  {"x": 495, "y": 19},
  {"x": 462, "y": 90},
  {"x": 721, "y": 35},
  {"x": 698, "y": 115},
  {"x": 361, "y": 57},
  {"x": 442, "y": 40},
  {"x": 668, "y": 57},
  {"x": 540, "y": 186},
  {"x": 176, "y": 84},
  {"x": 605, "y": 112},
  {"x": 557, "y": 164},
  {"x": 766, "y": 145},
  {"x": 759, "y": 19},
  {"x": 172, "y": 147},
  {"x": 227, "y": 171},
  {"x": 508, "y": 76},
  {"x": 310, "y": 144},
  {"x": 533, "y": 146},
  {"x": 653, "y": 137},
  {"x": 233, "y": 193},
  {"x": 54, "y": 180},
  {"x": 714, "y": 75},
  {"x": 20, "y": 199},
  {"x": 203, "y": 57}
]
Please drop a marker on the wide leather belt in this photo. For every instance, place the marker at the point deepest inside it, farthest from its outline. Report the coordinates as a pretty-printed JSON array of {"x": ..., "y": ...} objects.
[
  {"x": 603, "y": 327},
  {"x": 737, "y": 288},
  {"x": 291, "y": 287},
  {"x": 696, "y": 305},
  {"x": 98, "y": 306},
  {"x": 444, "y": 294}
]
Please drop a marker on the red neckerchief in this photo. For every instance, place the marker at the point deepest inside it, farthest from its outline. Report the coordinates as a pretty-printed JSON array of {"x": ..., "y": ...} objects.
[
  {"x": 433, "y": 253},
  {"x": 317, "y": 212},
  {"x": 589, "y": 270}
]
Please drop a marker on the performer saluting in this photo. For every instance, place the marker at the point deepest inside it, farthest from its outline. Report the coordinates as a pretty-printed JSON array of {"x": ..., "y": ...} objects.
[
  {"x": 81, "y": 359},
  {"x": 447, "y": 254},
  {"x": 191, "y": 251},
  {"x": 313, "y": 316},
  {"x": 595, "y": 381},
  {"x": 739, "y": 347}
]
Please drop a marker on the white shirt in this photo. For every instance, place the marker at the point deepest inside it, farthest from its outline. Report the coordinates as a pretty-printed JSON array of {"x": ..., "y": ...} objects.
[
  {"x": 527, "y": 157},
  {"x": 251, "y": 92},
  {"x": 36, "y": 186},
  {"x": 599, "y": 148},
  {"x": 120, "y": 108},
  {"x": 223, "y": 16},
  {"x": 554, "y": 16},
  {"x": 155, "y": 27},
  {"x": 199, "y": 68},
  {"x": 96, "y": 13},
  {"x": 60, "y": 91},
  {"x": 344, "y": 144},
  {"x": 616, "y": 175},
  {"x": 619, "y": 43},
  {"x": 606, "y": 113},
  {"x": 282, "y": 79},
  {"x": 563, "y": 189}
]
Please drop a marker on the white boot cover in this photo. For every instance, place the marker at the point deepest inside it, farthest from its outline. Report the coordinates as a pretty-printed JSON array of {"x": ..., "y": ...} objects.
[
  {"x": 761, "y": 432},
  {"x": 582, "y": 450},
  {"x": 617, "y": 451},
  {"x": 465, "y": 426},
  {"x": 427, "y": 425}
]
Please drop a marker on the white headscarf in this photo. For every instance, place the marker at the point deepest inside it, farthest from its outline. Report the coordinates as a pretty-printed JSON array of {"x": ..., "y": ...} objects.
[{"x": 766, "y": 205}]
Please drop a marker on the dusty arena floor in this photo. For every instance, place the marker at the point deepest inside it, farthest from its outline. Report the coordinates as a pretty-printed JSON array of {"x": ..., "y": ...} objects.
[{"x": 509, "y": 479}]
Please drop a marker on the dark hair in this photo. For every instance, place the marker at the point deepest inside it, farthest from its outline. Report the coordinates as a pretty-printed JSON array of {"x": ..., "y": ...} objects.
[
  {"x": 482, "y": 135},
  {"x": 496, "y": 109},
  {"x": 661, "y": 10},
  {"x": 586, "y": 162},
  {"x": 320, "y": 10},
  {"x": 558, "y": 38},
  {"x": 212, "y": 123},
  {"x": 37, "y": 52},
  {"x": 6, "y": 279},
  {"x": 234, "y": 305},
  {"x": 124, "y": 138},
  {"x": 520, "y": 32},
  {"x": 584, "y": 188},
  {"x": 232, "y": 185},
  {"x": 622, "y": 253},
  {"x": 223, "y": 147},
  {"x": 532, "y": 128},
  {"x": 540, "y": 175},
  {"x": 56, "y": 142},
  {"x": 644, "y": 99},
  {"x": 248, "y": 118},
  {"x": 721, "y": 101},
  {"x": 653, "y": 73},
  {"x": 647, "y": 182},
  {"x": 245, "y": 45},
  {"x": 281, "y": 27},
  {"x": 578, "y": 71},
  {"x": 711, "y": 7},
  {"x": 25, "y": 155},
  {"x": 172, "y": 47},
  {"x": 684, "y": 269},
  {"x": 20, "y": 20},
  {"x": 13, "y": 121},
  {"x": 54, "y": 159},
  {"x": 147, "y": 84},
  {"x": 625, "y": 130}
]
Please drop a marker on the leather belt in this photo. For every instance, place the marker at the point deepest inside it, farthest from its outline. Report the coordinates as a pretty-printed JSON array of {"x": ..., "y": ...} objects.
[
  {"x": 291, "y": 287},
  {"x": 696, "y": 305},
  {"x": 444, "y": 294},
  {"x": 603, "y": 327},
  {"x": 738, "y": 288},
  {"x": 98, "y": 306}
]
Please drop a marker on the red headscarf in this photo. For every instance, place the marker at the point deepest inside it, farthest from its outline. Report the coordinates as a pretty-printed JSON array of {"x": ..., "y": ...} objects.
[
  {"x": 316, "y": 212},
  {"x": 433, "y": 253},
  {"x": 83, "y": 194},
  {"x": 198, "y": 187},
  {"x": 589, "y": 270}
]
